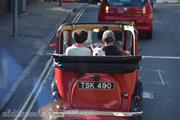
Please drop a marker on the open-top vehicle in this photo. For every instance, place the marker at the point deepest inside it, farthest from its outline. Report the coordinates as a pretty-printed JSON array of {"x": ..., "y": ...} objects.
[{"x": 97, "y": 87}]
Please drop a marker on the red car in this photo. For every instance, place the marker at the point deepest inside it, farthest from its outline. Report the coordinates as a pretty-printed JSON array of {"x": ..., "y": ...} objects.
[
  {"x": 138, "y": 11},
  {"x": 97, "y": 87}
]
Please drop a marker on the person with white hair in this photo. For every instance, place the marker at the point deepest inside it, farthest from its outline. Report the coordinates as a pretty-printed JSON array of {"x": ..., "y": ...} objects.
[{"x": 108, "y": 39}]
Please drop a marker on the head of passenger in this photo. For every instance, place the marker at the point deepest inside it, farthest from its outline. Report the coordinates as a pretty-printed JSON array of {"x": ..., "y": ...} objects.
[
  {"x": 108, "y": 40},
  {"x": 108, "y": 37},
  {"x": 78, "y": 49},
  {"x": 80, "y": 36},
  {"x": 100, "y": 33}
]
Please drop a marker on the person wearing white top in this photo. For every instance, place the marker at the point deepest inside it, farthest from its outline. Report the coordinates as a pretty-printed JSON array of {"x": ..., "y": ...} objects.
[{"x": 78, "y": 49}]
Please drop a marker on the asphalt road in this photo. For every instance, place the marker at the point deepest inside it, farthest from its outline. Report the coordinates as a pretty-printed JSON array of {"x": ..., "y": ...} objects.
[{"x": 160, "y": 76}]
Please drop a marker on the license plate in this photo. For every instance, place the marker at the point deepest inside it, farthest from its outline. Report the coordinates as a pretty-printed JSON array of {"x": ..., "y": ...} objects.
[
  {"x": 96, "y": 85},
  {"x": 126, "y": 22},
  {"x": 120, "y": 11}
]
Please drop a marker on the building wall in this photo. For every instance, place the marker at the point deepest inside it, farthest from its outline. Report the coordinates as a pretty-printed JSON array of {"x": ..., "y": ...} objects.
[
  {"x": 30, "y": 1},
  {"x": 167, "y": 1},
  {"x": 4, "y": 6}
]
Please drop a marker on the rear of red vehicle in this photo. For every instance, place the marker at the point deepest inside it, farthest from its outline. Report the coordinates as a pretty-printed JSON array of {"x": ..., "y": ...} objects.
[
  {"x": 88, "y": 94},
  {"x": 138, "y": 11}
]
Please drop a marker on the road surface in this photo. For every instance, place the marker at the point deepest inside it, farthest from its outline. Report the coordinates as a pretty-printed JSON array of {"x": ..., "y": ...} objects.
[{"x": 160, "y": 71}]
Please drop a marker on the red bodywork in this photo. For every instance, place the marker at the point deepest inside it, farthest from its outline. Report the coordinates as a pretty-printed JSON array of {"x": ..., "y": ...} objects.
[
  {"x": 142, "y": 16},
  {"x": 74, "y": 98}
]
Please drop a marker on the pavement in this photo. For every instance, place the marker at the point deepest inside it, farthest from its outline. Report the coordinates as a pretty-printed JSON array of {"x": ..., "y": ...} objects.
[
  {"x": 167, "y": 1},
  {"x": 36, "y": 28}
]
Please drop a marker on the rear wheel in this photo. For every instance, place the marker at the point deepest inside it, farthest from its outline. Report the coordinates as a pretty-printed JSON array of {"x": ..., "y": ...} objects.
[
  {"x": 149, "y": 35},
  {"x": 136, "y": 118},
  {"x": 152, "y": 5},
  {"x": 94, "y": 1},
  {"x": 137, "y": 105},
  {"x": 56, "y": 104}
]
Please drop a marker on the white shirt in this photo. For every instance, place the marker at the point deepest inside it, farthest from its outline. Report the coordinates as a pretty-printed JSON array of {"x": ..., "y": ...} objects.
[{"x": 78, "y": 50}]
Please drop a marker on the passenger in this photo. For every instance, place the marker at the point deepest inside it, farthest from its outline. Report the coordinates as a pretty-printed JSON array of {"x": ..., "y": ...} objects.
[
  {"x": 99, "y": 42},
  {"x": 100, "y": 33},
  {"x": 108, "y": 39},
  {"x": 78, "y": 49},
  {"x": 117, "y": 34}
]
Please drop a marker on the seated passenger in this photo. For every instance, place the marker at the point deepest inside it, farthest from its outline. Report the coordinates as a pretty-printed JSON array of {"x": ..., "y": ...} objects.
[
  {"x": 78, "y": 49},
  {"x": 100, "y": 33},
  {"x": 108, "y": 39}
]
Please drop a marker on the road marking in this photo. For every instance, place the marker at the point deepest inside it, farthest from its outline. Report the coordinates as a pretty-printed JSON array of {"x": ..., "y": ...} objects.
[
  {"x": 148, "y": 95},
  {"x": 162, "y": 82},
  {"x": 39, "y": 79},
  {"x": 161, "y": 78},
  {"x": 152, "y": 82},
  {"x": 159, "y": 83},
  {"x": 154, "y": 70},
  {"x": 78, "y": 16},
  {"x": 73, "y": 21},
  {"x": 161, "y": 57},
  {"x": 34, "y": 89},
  {"x": 30, "y": 66},
  {"x": 37, "y": 94}
]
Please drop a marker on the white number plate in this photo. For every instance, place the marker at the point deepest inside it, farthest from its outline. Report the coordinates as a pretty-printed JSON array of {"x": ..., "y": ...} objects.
[{"x": 96, "y": 85}]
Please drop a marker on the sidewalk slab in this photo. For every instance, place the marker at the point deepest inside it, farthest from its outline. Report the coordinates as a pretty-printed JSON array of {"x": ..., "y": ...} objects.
[
  {"x": 167, "y": 1},
  {"x": 36, "y": 28}
]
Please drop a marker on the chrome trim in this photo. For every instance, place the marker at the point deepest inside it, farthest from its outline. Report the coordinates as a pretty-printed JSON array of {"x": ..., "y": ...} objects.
[{"x": 96, "y": 113}]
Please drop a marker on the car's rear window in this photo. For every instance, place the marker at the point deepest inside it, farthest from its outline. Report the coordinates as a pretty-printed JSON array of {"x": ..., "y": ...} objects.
[{"x": 126, "y": 2}]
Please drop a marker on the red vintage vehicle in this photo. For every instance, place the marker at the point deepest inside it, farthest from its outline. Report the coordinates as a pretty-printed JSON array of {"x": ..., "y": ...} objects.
[{"x": 97, "y": 87}]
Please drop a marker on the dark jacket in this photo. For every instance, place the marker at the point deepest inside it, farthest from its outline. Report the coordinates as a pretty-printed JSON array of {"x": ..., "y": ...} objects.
[{"x": 112, "y": 50}]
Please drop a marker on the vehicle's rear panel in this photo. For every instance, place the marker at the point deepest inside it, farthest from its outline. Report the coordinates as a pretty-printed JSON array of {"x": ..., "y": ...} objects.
[
  {"x": 98, "y": 91},
  {"x": 114, "y": 99},
  {"x": 140, "y": 13}
]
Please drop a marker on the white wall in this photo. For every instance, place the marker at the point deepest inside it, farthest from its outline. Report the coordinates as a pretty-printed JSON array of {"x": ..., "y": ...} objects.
[{"x": 167, "y": 1}]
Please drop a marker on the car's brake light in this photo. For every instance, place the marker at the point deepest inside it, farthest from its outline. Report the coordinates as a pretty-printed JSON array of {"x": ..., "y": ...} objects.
[
  {"x": 144, "y": 10},
  {"x": 148, "y": 7},
  {"x": 136, "y": 102},
  {"x": 148, "y": 11},
  {"x": 107, "y": 9}
]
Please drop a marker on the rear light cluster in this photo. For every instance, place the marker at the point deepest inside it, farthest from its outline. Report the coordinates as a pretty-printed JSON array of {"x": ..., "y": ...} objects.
[
  {"x": 107, "y": 9},
  {"x": 147, "y": 8},
  {"x": 144, "y": 10},
  {"x": 137, "y": 100}
]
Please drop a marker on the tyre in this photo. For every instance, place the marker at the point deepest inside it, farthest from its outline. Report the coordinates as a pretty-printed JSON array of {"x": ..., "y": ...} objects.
[
  {"x": 136, "y": 118},
  {"x": 152, "y": 4},
  {"x": 149, "y": 35},
  {"x": 54, "y": 86},
  {"x": 138, "y": 92},
  {"x": 94, "y": 1}
]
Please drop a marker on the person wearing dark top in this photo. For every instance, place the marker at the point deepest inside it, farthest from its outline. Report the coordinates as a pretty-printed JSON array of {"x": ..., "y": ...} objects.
[
  {"x": 108, "y": 39},
  {"x": 112, "y": 50}
]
